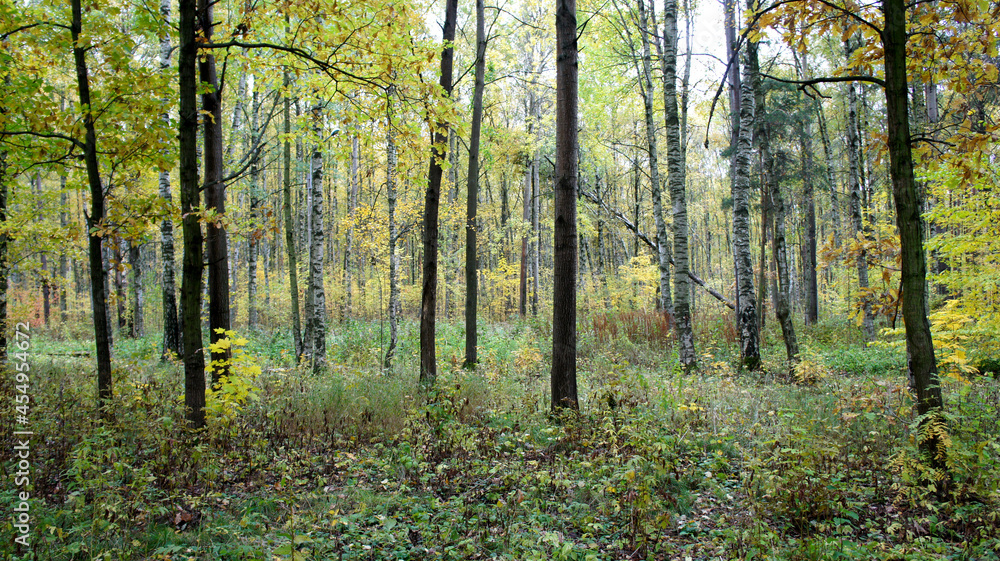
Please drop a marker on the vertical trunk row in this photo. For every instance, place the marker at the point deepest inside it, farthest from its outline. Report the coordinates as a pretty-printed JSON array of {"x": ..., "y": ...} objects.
[
  {"x": 286, "y": 189},
  {"x": 563, "y": 377},
  {"x": 771, "y": 170},
  {"x": 98, "y": 290},
  {"x": 428, "y": 300},
  {"x": 676, "y": 180},
  {"x": 472, "y": 195}
]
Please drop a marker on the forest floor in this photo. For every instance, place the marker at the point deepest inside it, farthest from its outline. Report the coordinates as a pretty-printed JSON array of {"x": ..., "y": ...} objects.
[{"x": 818, "y": 463}]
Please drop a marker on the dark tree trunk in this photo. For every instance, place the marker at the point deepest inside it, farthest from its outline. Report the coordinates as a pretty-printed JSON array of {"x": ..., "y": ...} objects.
[
  {"x": 98, "y": 291},
  {"x": 809, "y": 249},
  {"x": 428, "y": 300},
  {"x": 921, "y": 361},
  {"x": 216, "y": 241},
  {"x": 563, "y": 379},
  {"x": 171, "y": 327},
  {"x": 191, "y": 276},
  {"x": 293, "y": 270},
  {"x": 779, "y": 250},
  {"x": 472, "y": 195}
]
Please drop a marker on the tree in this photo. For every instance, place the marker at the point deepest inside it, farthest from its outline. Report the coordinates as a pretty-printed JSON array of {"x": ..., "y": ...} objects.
[
  {"x": 286, "y": 207},
  {"x": 102, "y": 336},
  {"x": 316, "y": 306},
  {"x": 432, "y": 198},
  {"x": 216, "y": 240},
  {"x": 168, "y": 289},
  {"x": 665, "y": 302},
  {"x": 746, "y": 302},
  {"x": 772, "y": 167},
  {"x": 563, "y": 377},
  {"x": 677, "y": 178},
  {"x": 472, "y": 194},
  {"x": 194, "y": 358},
  {"x": 857, "y": 220},
  {"x": 919, "y": 345},
  {"x": 391, "y": 163}
]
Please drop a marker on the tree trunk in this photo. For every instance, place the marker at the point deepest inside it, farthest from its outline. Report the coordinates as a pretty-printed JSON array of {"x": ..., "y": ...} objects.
[
  {"x": 428, "y": 300},
  {"x": 194, "y": 358},
  {"x": 102, "y": 337},
  {"x": 352, "y": 204},
  {"x": 526, "y": 217},
  {"x": 857, "y": 222},
  {"x": 472, "y": 194},
  {"x": 746, "y": 304},
  {"x": 316, "y": 330},
  {"x": 831, "y": 181},
  {"x": 136, "y": 318},
  {"x": 256, "y": 233},
  {"x": 662, "y": 241},
  {"x": 809, "y": 250},
  {"x": 782, "y": 308},
  {"x": 563, "y": 378},
  {"x": 390, "y": 189},
  {"x": 293, "y": 266},
  {"x": 216, "y": 242},
  {"x": 171, "y": 327},
  {"x": 676, "y": 180},
  {"x": 919, "y": 345}
]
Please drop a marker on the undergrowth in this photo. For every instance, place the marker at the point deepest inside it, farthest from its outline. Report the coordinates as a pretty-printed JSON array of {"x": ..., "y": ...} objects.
[{"x": 360, "y": 463}]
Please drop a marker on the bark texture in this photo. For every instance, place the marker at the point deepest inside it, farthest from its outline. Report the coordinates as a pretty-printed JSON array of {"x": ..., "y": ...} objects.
[
  {"x": 98, "y": 290},
  {"x": 216, "y": 240},
  {"x": 857, "y": 218},
  {"x": 390, "y": 189},
  {"x": 286, "y": 207},
  {"x": 171, "y": 327},
  {"x": 432, "y": 199},
  {"x": 921, "y": 361},
  {"x": 746, "y": 300},
  {"x": 676, "y": 180},
  {"x": 662, "y": 241},
  {"x": 191, "y": 273},
  {"x": 563, "y": 378},
  {"x": 472, "y": 194},
  {"x": 316, "y": 329}
]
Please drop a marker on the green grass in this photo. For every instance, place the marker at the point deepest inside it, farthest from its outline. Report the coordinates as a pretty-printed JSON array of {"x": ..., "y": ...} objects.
[{"x": 359, "y": 464}]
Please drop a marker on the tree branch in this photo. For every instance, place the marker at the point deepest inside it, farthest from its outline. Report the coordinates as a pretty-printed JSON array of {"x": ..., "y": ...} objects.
[{"x": 628, "y": 224}]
